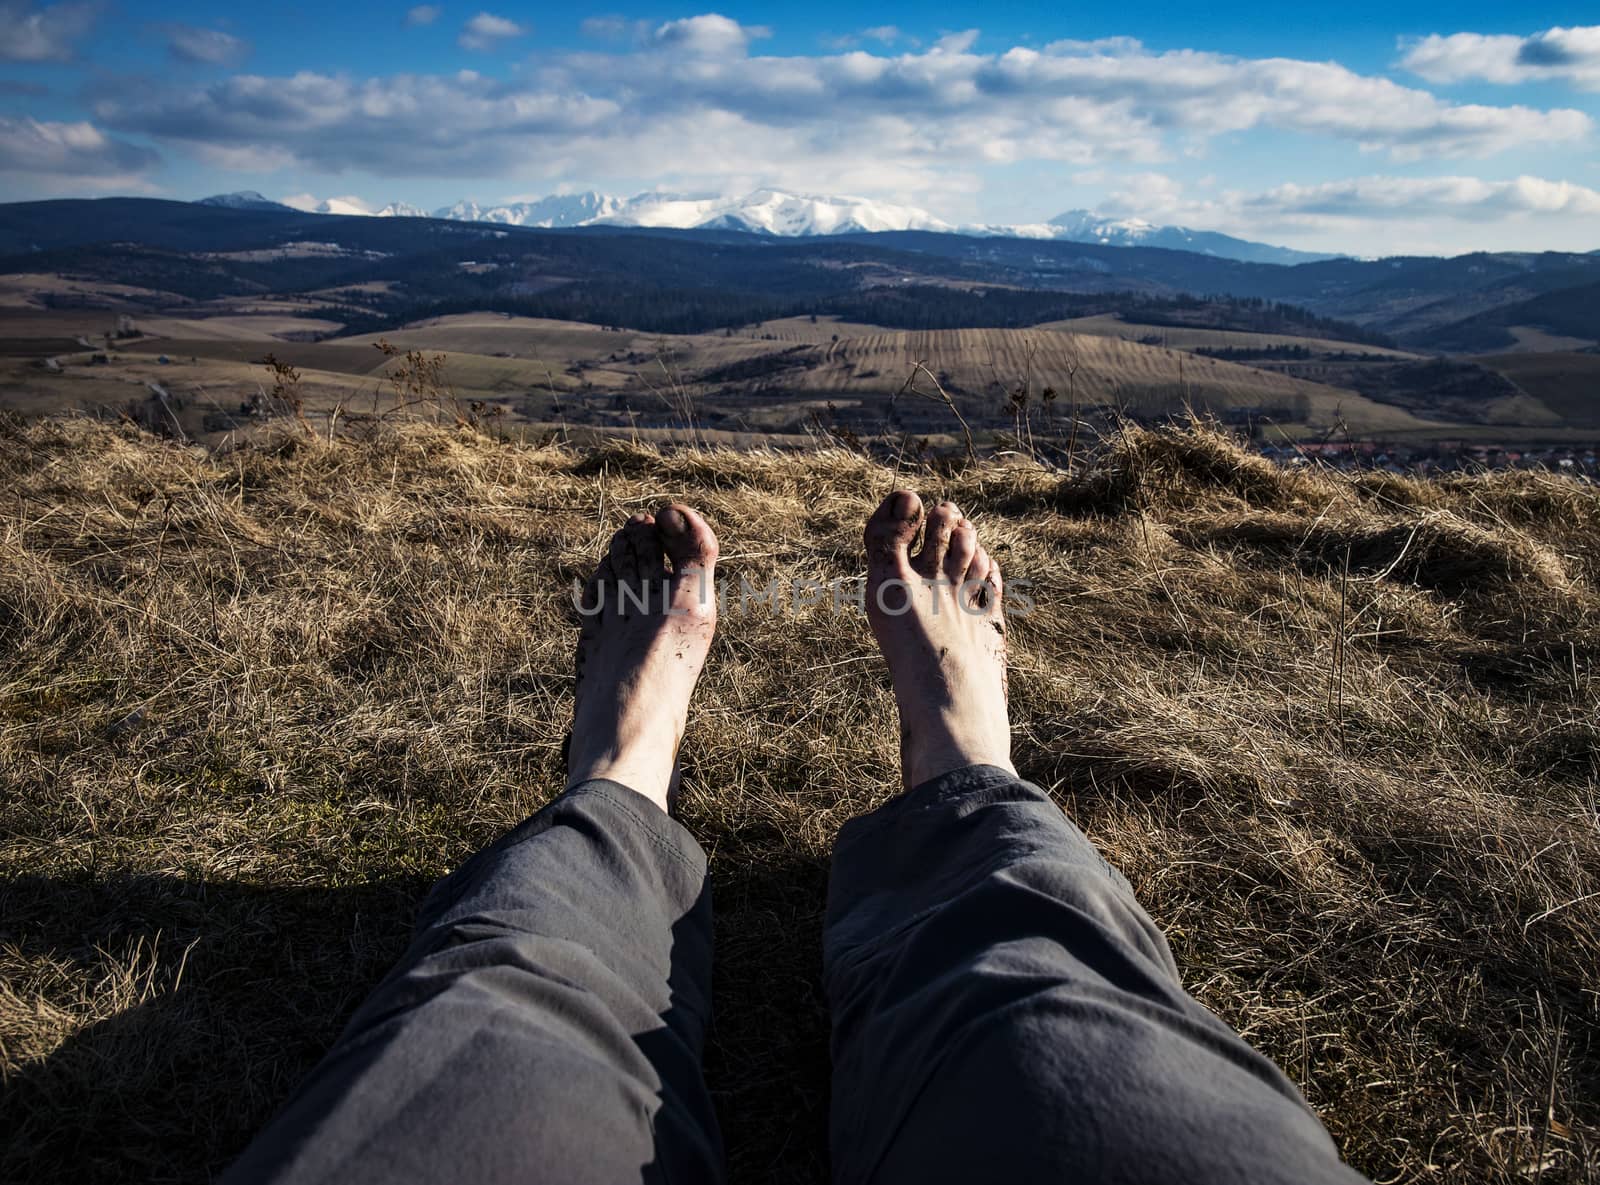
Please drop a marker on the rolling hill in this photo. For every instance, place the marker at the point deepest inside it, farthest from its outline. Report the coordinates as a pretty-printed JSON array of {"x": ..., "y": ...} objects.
[
  {"x": 781, "y": 377},
  {"x": 690, "y": 280},
  {"x": 766, "y": 334},
  {"x": 976, "y": 366},
  {"x": 1567, "y": 312},
  {"x": 1567, "y": 383}
]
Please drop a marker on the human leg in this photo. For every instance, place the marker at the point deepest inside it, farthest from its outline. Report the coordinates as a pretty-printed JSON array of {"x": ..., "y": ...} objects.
[
  {"x": 547, "y": 1021},
  {"x": 1003, "y": 1008}
]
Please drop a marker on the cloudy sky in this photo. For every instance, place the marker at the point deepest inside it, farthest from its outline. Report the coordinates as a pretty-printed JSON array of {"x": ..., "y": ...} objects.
[{"x": 1369, "y": 128}]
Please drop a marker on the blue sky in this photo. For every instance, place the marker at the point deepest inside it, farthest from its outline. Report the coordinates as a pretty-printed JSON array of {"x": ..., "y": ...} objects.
[{"x": 1370, "y": 128}]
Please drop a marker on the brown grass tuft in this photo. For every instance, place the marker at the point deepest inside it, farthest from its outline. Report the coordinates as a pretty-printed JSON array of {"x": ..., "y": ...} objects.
[
  {"x": 1340, "y": 733},
  {"x": 1175, "y": 466}
]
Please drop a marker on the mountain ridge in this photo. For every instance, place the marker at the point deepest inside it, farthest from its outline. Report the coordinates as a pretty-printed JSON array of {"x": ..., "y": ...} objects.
[
  {"x": 784, "y": 214},
  {"x": 243, "y": 199},
  {"x": 1084, "y": 226},
  {"x": 706, "y": 275}
]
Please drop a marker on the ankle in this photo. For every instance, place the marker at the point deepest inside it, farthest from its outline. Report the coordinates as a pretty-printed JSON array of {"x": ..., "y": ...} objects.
[
  {"x": 944, "y": 749},
  {"x": 643, "y": 778}
]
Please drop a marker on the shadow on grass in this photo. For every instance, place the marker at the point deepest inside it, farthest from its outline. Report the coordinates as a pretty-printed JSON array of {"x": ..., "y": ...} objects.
[
  {"x": 767, "y": 1061},
  {"x": 216, "y": 998}
]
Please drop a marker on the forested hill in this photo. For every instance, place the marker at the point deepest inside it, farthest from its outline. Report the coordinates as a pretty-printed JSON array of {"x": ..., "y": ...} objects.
[
  {"x": 683, "y": 281},
  {"x": 1569, "y": 312}
]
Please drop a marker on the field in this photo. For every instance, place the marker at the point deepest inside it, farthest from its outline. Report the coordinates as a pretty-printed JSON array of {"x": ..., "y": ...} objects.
[
  {"x": 1181, "y": 337},
  {"x": 1339, "y": 732},
  {"x": 196, "y": 366},
  {"x": 864, "y": 360},
  {"x": 1567, "y": 383},
  {"x": 776, "y": 377},
  {"x": 257, "y": 327},
  {"x": 1532, "y": 340}
]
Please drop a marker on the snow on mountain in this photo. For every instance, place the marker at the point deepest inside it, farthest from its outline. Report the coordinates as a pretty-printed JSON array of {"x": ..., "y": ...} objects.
[
  {"x": 244, "y": 199},
  {"x": 773, "y": 212},
  {"x": 571, "y": 209},
  {"x": 766, "y": 211},
  {"x": 307, "y": 204},
  {"x": 1082, "y": 226},
  {"x": 778, "y": 213}
]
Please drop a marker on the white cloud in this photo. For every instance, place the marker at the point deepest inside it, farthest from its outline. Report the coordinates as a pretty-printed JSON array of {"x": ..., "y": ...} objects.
[
  {"x": 1145, "y": 194},
  {"x": 1119, "y": 45},
  {"x": 486, "y": 31},
  {"x": 1560, "y": 55},
  {"x": 243, "y": 158},
  {"x": 32, "y": 34},
  {"x": 1468, "y": 198},
  {"x": 421, "y": 15},
  {"x": 689, "y": 105},
  {"x": 708, "y": 36},
  {"x": 462, "y": 124},
  {"x": 1379, "y": 214},
  {"x": 955, "y": 43},
  {"x": 883, "y": 34},
  {"x": 210, "y": 47},
  {"x": 1205, "y": 94},
  {"x": 615, "y": 28},
  {"x": 52, "y": 158}
]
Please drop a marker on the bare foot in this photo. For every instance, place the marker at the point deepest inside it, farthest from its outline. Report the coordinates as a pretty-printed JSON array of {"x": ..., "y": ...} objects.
[
  {"x": 644, "y": 639},
  {"x": 938, "y": 620}
]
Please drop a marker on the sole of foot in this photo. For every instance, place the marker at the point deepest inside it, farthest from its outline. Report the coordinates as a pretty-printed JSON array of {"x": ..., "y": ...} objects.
[
  {"x": 939, "y": 619},
  {"x": 648, "y": 615}
]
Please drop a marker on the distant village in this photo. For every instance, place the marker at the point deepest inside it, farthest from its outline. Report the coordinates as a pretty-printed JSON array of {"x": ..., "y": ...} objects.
[{"x": 1443, "y": 456}]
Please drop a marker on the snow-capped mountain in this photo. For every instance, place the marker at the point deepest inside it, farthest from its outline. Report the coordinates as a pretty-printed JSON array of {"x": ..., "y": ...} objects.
[
  {"x": 775, "y": 212},
  {"x": 766, "y": 211},
  {"x": 569, "y": 209},
  {"x": 401, "y": 210},
  {"x": 1082, "y": 226},
  {"x": 305, "y": 203},
  {"x": 244, "y": 199}
]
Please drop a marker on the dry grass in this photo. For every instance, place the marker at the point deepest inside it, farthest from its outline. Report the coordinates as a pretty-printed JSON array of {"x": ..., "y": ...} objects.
[
  {"x": 1186, "y": 337},
  {"x": 503, "y": 357},
  {"x": 1565, "y": 382},
  {"x": 1340, "y": 734}
]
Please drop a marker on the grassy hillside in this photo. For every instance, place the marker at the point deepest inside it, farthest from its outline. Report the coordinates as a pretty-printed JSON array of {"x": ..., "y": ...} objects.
[
  {"x": 491, "y": 355},
  {"x": 1567, "y": 383},
  {"x": 1181, "y": 337},
  {"x": 983, "y": 363},
  {"x": 1341, "y": 735},
  {"x": 1568, "y": 312},
  {"x": 778, "y": 377}
]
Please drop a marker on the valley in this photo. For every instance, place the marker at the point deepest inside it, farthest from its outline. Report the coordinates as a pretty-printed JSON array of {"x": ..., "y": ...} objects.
[{"x": 169, "y": 313}]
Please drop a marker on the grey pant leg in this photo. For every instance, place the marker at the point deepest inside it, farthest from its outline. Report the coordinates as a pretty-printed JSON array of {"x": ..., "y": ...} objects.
[
  {"x": 545, "y": 1025},
  {"x": 1004, "y": 1011}
]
